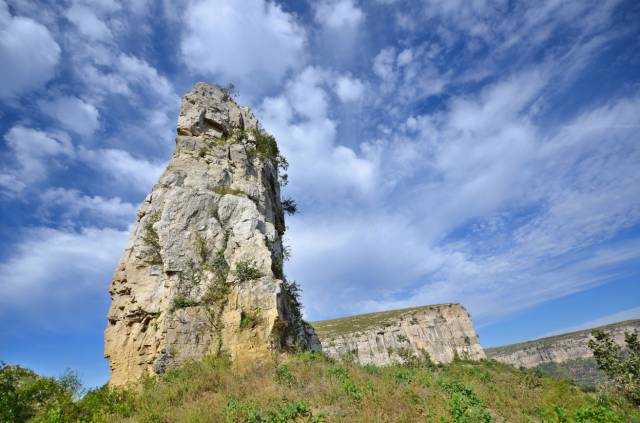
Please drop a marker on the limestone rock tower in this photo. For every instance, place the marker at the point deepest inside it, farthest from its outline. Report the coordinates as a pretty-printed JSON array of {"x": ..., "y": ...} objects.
[{"x": 202, "y": 269}]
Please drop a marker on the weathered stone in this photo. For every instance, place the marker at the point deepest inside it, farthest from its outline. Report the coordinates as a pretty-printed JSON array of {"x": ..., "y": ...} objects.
[
  {"x": 383, "y": 338},
  {"x": 560, "y": 348},
  {"x": 175, "y": 293}
]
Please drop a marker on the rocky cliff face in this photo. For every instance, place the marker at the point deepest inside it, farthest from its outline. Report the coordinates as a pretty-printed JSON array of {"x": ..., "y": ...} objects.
[
  {"x": 391, "y": 337},
  {"x": 558, "y": 349},
  {"x": 202, "y": 270}
]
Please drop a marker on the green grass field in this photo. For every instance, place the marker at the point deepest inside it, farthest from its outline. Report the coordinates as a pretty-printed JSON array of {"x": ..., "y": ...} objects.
[{"x": 307, "y": 387}]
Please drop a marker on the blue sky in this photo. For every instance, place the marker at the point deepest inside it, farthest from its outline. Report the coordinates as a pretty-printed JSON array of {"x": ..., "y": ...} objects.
[{"x": 483, "y": 152}]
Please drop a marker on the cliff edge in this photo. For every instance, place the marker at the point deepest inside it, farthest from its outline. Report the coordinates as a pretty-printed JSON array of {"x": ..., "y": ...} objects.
[
  {"x": 559, "y": 348},
  {"x": 443, "y": 331}
]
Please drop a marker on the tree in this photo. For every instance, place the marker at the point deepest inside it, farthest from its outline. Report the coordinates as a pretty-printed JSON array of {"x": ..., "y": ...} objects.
[
  {"x": 622, "y": 365},
  {"x": 289, "y": 206}
]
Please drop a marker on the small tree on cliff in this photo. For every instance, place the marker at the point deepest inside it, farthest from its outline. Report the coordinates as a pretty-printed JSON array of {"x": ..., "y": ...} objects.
[{"x": 622, "y": 365}]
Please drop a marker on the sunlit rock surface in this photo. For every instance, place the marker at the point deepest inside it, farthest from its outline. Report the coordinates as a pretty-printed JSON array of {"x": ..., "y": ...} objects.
[
  {"x": 560, "y": 348},
  {"x": 202, "y": 270},
  {"x": 443, "y": 331}
]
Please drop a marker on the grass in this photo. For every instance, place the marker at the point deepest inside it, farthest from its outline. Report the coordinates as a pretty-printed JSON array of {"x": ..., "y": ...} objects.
[
  {"x": 183, "y": 302},
  {"x": 228, "y": 191},
  {"x": 250, "y": 319},
  {"x": 308, "y": 387},
  {"x": 331, "y": 328},
  {"x": 151, "y": 239},
  {"x": 246, "y": 270}
]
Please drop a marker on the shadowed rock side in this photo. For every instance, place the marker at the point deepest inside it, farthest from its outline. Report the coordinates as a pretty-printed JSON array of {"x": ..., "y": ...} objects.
[
  {"x": 383, "y": 338},
  {"x": 202, "y": 270},
  {"x": 560, "y": 348}
]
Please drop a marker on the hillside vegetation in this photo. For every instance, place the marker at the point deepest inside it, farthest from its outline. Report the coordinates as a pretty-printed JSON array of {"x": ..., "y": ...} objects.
[
  {"x": 307, "y": 387},
  {"x": 583, "y": 371}
]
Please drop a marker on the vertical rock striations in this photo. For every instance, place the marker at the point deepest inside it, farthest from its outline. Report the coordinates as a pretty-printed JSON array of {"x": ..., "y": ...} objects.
[
  {"x": 394, "y": 336},
  {"x": 202, "y": 270}
]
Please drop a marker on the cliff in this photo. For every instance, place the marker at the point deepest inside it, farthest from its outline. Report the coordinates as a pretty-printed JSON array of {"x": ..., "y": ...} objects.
[
  {"x": 388, "y": 337},
  {"x": 202, "y": 270},
  {"x": 558, "y": 349}
]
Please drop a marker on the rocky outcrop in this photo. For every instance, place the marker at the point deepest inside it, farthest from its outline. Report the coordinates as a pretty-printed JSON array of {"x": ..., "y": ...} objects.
[
  {"x": 443, "y": 331},
  {"x": 202, "y": 270},
  {"x": 558, "y": 349}
]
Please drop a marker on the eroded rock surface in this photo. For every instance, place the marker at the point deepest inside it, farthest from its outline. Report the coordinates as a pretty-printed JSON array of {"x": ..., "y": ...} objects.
[
  {"x": 560, "y": 348},
  {"x": 202, "y": 270},
  {"x": 388, "y": 337}
]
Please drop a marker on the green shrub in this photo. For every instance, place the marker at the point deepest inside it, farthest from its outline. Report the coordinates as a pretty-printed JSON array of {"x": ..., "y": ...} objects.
[
  {"x": 284, "y": 375},
  {"x": 267, "y": 149},
  {"x": 266, "y": 145},
  {"x": 464, "y": 405},
  {"x": 228, "y": 191},
  {"x": 217, "y": 293},
  {"x": 280, "y": 227},
  {"x": 293, "y": 291},
  {"x": 532, "y": 378},
  {"x": 621, "y": 365},
  {"x": 289, "y": 206},
  {"x": 24, "y": 394},
  {"x": 286, "y": 253},
  {"x": 101, "y": 404},
  {"x": 200, "y": 247},
  {"x": 589, "y": 414},
  {"x": 182, "y": 302},
  {"x": 219, "y": 266},
  {"x": 151, "y": 239},
  {"x": 403, "y": 376},
  {"x": 351, "y": 389},
  {"x": 249, "y": 319},
  {"x": 287, "y": 411},
  {"x": 246, "y": 270},
  {"x": 229, "y": 92}
]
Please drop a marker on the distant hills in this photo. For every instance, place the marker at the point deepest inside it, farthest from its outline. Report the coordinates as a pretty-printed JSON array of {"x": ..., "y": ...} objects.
[{"x": 567, "y": 356}]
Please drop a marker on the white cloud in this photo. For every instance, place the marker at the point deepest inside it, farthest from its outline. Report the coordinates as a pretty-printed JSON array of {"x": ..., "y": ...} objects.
[
  {"x": 73, "y": 113},
  {"x": 384, "y": 63},
  {"x": 544, "y": 201},
  {"x": 235, "y": 41},
  {"x": 348, "y": 88},
  {"x": 337, "y": 14},
  {"x": 101, "y": 6},
  {"x": 405, "y": 57},
  {"x": 145, "y": 78},
  {"x": 482, "y": 200},
  {"x": 28, "y": 54},
  {"x": 71, "y": 204},
  {"x": 138, "y": 174},
  {"x": 320, "y": 168},
  {"x": 34, "y": 153},
  {"x": 54, "y": 274},
  {"x": 88, "y": 23}
]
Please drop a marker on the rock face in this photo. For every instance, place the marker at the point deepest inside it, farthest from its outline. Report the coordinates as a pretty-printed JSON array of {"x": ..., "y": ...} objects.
[
  {"x": 390, "y": 337},
  {"x": 202, "y": 270},
  {"x": 558, "y": 349}
]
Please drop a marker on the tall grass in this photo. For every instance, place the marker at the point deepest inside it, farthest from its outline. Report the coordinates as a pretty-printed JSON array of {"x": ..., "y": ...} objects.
[{"x": 308, "y": 387}]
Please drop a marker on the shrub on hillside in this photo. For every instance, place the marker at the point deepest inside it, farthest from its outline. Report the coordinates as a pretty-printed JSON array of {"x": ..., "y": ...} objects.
[{"x": 622, "y": 365}]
